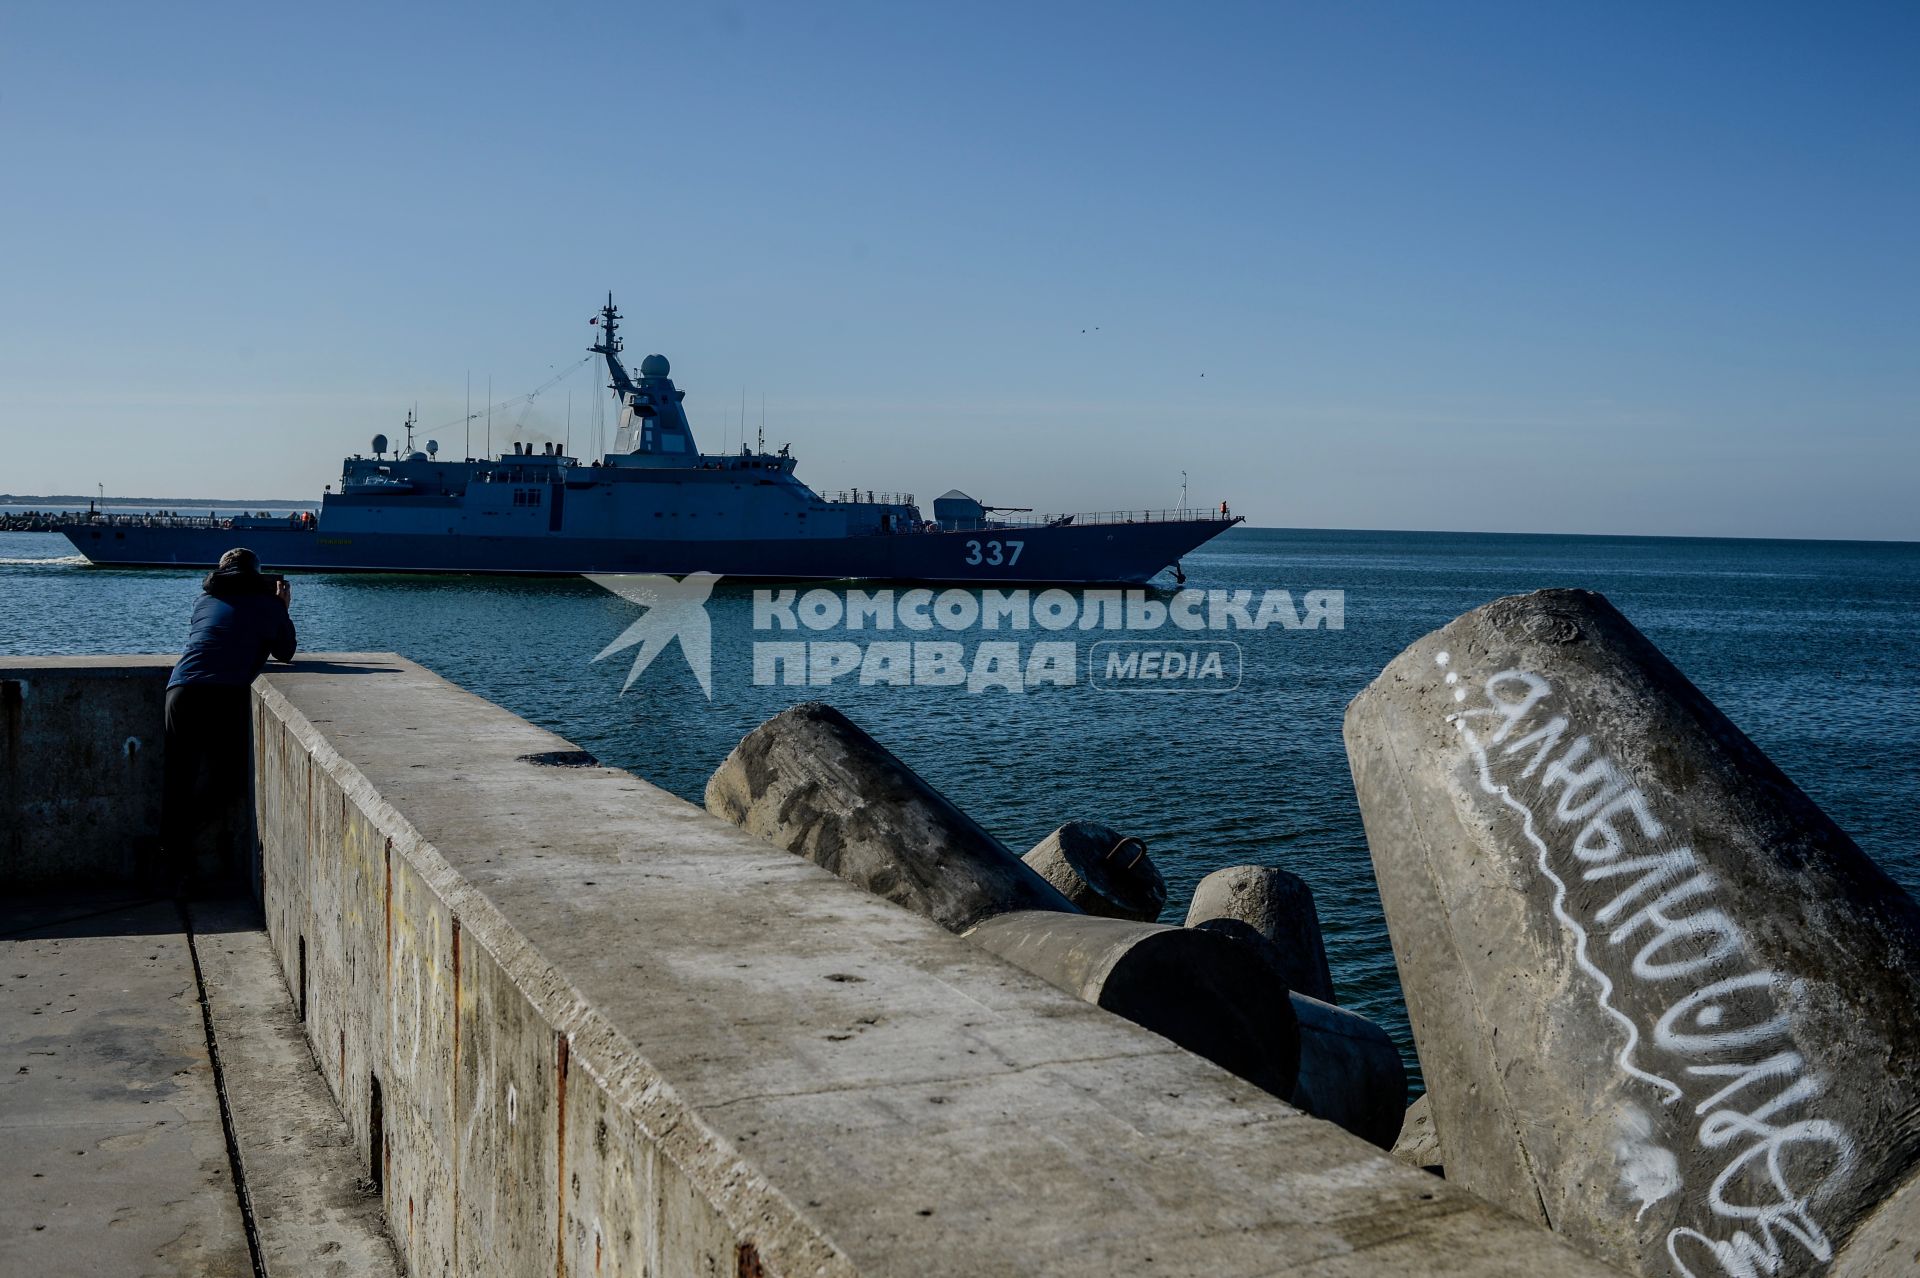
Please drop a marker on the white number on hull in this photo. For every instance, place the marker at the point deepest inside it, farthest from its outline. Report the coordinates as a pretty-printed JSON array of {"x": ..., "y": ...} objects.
[{"x": 997, "y": 553}]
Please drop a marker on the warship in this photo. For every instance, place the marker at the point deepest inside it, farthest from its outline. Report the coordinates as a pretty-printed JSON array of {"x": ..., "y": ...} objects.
[{"x": 653, "y": 503}]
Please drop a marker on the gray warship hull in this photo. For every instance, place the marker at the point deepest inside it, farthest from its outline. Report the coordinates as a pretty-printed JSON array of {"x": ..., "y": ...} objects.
[{"x": 1093, "y": 553}]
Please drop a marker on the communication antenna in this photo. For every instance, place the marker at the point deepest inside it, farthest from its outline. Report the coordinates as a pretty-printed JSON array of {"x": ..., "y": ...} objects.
[
  {"x": 760, "y": 440},
  {"x": 469, "y": 414},
  {"x": 1183, "y": 491},
  {"x": 569, "y": 419},
  {"x": 489, "y": 414}
]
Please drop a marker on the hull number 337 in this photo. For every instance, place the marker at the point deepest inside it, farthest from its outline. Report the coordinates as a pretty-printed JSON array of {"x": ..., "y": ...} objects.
[{"x": 995, "y": 553}]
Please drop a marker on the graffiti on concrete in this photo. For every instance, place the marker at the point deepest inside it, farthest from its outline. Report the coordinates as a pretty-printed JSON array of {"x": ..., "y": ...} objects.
[{"x": 1643, "y": 911}]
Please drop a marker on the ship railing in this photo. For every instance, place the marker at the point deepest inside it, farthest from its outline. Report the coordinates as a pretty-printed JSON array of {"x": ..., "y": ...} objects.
[
  {"x": 1077, "y": 519},
  {"x": 246, "y": 518},
  {"x": 868, "y": 497}
]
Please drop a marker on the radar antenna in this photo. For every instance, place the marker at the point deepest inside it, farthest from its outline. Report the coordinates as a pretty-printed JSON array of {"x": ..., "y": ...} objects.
[{"x": 608, "y": 321}]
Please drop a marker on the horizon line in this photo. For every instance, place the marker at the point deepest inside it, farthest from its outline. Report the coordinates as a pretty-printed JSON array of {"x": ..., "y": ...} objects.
[{"x": 15, "y": 499}]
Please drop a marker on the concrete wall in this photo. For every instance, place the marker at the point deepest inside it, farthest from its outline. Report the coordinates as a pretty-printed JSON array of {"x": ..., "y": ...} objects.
[
  {"x": 80, "y": 768},
  {"x": 581, "y": 1027}
]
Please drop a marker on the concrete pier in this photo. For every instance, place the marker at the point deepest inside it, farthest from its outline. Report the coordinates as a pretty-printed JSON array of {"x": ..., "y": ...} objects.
[
  {"x": 607, "y": 1025},
  {"x": 116, "y": 1160},
  {"x": 560, "y": 1022},
  {"x": 1661, "y": 1001},
  {"x": 80, "y": 768},
  {"x": 151, "y": 1052}
]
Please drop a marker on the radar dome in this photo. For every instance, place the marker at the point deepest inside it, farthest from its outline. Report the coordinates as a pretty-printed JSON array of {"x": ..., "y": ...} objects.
[
  {"x": 654, "y": 366},
  {"x": 379, "y": 443},
  {"x": 433, "y": 448}
]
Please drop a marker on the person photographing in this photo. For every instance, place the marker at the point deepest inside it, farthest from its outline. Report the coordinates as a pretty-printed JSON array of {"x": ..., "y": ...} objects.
[{"x": 240, "y": 620}]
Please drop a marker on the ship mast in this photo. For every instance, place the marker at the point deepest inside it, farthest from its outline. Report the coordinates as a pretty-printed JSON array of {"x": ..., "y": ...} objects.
[
  {"x": 651, "y": 419},
  {"x": 609, "y": 346}
]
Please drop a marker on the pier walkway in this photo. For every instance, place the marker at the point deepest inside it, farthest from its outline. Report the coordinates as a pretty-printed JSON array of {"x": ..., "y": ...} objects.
[
  {"x": 118, "y": 1157},
  {"x": 150, "y": 1050},
  {"x": 566, "y": 1023}
]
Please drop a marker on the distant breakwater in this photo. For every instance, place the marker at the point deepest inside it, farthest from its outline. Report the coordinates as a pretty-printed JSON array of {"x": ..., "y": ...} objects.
[{"x": 33, "y": 521}]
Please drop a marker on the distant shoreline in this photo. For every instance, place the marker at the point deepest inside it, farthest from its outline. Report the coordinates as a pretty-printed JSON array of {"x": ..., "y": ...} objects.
[
  {"x": 189, "y": 504},
  {"x": 181, "y": 503}
]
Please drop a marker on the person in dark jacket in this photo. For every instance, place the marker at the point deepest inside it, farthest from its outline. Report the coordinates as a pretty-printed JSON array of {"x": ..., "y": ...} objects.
[{"x": 239, "y": 621}]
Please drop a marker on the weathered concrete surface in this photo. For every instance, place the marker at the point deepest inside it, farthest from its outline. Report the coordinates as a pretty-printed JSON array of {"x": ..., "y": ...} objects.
[
  {"x": 115, "y": 1160},
  {"x": 1660, "y": 999},
  {"x": 1418, "y": 1144},
  {"x": 1279, "y": 906},
  {"x": 81, "y": 752},
  {"x": 1101, "y": 871},
  {"x": 811, "y": 781},
  {"x": 1887, "y": 1243},
  {"x": 1350, "y": 1071},
  {"x": 298, "y": 1168},
  {"x": 1204, "y": 992},
  {"x": 612, "y": 1031}
]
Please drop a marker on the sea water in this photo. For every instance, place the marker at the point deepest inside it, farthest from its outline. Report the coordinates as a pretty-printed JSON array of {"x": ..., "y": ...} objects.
[{"x": 1813, "y": 648}]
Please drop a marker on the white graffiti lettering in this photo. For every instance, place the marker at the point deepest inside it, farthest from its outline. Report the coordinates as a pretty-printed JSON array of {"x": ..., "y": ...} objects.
[{"x": 1666, "y": 928}]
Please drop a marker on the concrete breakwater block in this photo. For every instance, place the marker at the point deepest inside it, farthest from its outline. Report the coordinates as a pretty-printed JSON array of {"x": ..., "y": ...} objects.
[
  {"x": 1277, "y": 905},
  {"x": 1216, "y": 998},
  {"x": 1351, "y": 1073},
  {"x": 1663, "y": 1004},
  {"x": 1418, "y": 1145},
  {"x": 810, "y": 781},
  {"x": 1101, "y": 870}
]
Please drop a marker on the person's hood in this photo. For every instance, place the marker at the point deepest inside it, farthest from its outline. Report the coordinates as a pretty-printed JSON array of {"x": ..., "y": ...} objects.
[{"x": 232, "y": 583}]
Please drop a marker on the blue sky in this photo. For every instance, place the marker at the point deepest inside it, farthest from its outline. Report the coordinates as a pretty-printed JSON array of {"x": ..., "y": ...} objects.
[{"x": 1608, "y": 268}]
